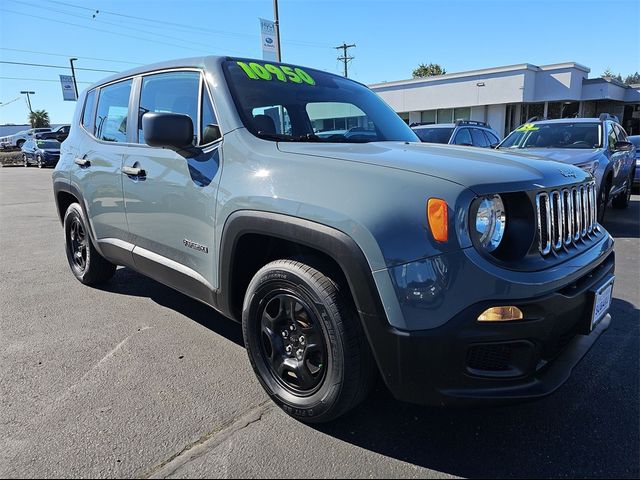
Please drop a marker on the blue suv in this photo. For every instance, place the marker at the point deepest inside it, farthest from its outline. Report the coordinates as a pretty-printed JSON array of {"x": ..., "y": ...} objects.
[{"x": 599, "y": 146}]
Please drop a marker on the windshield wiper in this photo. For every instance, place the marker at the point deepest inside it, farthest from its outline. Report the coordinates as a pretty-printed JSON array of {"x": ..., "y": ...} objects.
[{"x": 281, "y": 137}]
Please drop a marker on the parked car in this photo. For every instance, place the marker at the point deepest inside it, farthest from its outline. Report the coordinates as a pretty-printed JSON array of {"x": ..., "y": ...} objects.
[
  {"x": 43, "y": 153},
  {"x": 60, "y": 133},
  {"x": 635, "y": 139},
  {"x": 464, "y": 132},
  {"x": 17, "y": 139},
  {"x": 340, "y": 256},
  {"x": 599, "y": 146}
]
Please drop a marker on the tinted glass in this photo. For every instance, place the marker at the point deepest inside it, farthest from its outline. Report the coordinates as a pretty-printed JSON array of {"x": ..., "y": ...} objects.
[
  {"x": 554, "y": 135},
  {"x": 491, "y": 137},
  {"x": 296, "y": 88},
  {"x": 111, "y": 113},
  {"x": 622, "y": 136},
  {"x": 89, "y": 110},
  {"x": 434, "y": 135},
  {"x": 172, "y": 92},
  {"x": 463, "y": 137},
  {"x": 48, "y": 144},
  {"x": 479, "y": 139},
  {"x": 208, "y": 134},
  {"x": 612, "y": 138}
]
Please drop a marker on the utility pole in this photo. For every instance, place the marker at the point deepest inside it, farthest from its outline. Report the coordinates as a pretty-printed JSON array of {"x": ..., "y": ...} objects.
[
  {"x": 27, "y": 93},
  {"x": 276, "y": 22},
  {"x": 345, "y": 58},
  {"x": 73, "y": 74}
]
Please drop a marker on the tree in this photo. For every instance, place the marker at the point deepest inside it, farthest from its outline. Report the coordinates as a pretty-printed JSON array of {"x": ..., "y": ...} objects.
[
  {"x": 632, "y": 79},
  {"x": 430, "y": 70},
  {"x": 39, "y": 119},
  {"x": 608, "y": 73}
]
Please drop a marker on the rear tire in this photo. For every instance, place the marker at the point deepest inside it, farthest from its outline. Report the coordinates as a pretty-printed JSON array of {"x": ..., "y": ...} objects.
[
  {"x": 25, "y": 161},
  {"x": 39, "y": 161},
  {"x": 85, "y": 262},
  {"x": 623, "y": 199},
  {"x": 305, "y": 341}
]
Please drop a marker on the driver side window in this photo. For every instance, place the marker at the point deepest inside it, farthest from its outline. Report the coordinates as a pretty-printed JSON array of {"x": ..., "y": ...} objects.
[
  {"x": 612, "y": 138},
  {"x": 463, "y": 137}
]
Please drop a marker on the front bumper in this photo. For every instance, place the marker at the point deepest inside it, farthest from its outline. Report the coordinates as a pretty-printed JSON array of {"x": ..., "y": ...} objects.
[{"x": 464, "y": 361}]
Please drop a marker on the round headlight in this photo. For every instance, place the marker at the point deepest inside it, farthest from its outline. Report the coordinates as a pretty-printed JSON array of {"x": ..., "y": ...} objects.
[{"x": 491, "y": 221}]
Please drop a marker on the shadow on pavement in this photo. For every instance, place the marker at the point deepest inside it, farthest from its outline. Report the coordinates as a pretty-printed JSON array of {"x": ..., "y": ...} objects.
[
  {"x": 130, "y": 282},
  {"x": 588, "y": 428},
  {"x": 624, "y": 223}
]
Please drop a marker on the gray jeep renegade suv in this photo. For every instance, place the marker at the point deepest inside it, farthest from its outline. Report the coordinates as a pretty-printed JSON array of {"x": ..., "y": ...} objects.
[{"x": 458, "y": 274}]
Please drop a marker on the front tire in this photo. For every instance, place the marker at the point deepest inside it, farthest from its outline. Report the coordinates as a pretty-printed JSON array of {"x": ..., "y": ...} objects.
[
  {"x": 25, "y": 161},
  {"x": 305, "y": 341},
  {"x": 85, "y": 262},
  {"x": 39, "y": 161}
]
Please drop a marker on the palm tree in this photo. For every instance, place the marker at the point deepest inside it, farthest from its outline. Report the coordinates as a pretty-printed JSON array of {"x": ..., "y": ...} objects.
[{"x": 39, "y": 119}]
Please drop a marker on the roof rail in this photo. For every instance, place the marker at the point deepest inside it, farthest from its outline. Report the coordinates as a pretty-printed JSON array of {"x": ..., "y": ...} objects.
[
  {"x": 417, "y": 124},
  {"x": 476, "y": 123},
  {"x": 608, "y": 116}
]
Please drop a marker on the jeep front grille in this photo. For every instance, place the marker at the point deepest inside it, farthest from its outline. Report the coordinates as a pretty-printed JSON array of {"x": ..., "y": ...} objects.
[{"x": 566, "y": 217}]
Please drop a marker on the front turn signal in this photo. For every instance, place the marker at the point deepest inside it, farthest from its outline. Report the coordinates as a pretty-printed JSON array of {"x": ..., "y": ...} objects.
[{"x": 438, "y": 217}]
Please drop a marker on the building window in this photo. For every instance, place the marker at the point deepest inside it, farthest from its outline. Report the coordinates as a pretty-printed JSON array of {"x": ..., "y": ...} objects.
[
  {"x": 530, "y": 110},
  {"x": 404, "y": 116},
  {"x": 445, "y": 115},
  {"x": 462, "y": 114},
  {"x": 428, "y": 117}
]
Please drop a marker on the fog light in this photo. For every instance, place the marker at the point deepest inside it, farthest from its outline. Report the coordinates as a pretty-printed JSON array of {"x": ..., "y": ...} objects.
[{"x": 501, "y": 314}]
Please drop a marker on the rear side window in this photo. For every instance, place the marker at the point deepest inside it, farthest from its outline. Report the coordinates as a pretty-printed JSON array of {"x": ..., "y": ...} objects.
[
  {"x": 89, "y": 111},
  {"x": 463, "y": 137},
  {"x": 171, "y": 92},
  {"x": 111, "y": 113},
  {"x": 479, "y": 140}
]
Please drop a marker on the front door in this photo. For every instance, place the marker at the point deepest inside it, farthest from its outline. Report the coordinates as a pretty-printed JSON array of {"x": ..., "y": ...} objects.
[{"x": 170, "y": 201}]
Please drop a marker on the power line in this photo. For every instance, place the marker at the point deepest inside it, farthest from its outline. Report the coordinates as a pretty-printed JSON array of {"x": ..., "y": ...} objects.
[
  {"x": 120, "y": 25},
  {"x": 345, "y": 58},
  {"x": 67, "y": 56},
  {"x": 31, "y": 15},
  {"x": 4, "y": 104},
  {"x": 191, "y": 28},
  {"x": 57, "y": 66}
]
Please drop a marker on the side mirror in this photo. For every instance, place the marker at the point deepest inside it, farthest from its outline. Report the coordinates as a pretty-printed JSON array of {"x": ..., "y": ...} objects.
[
  {"x": 169, "y": 130},
  {"x": 623, "y": 146}
]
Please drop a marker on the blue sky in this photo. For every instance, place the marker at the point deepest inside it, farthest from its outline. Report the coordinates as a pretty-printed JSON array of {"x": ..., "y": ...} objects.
[{"x": 392, "y": 37}]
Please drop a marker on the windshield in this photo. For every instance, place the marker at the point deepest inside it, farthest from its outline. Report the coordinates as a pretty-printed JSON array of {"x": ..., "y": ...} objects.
[
  {"x": 286, "y": 103},
  {"x": 555, "y": 135},
  {"x": 434, "y": 134},
  {"x": 48, "y": 144}
]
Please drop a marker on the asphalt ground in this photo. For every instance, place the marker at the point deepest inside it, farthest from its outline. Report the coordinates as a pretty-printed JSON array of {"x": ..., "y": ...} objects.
[{"x": 137, "y": 380}]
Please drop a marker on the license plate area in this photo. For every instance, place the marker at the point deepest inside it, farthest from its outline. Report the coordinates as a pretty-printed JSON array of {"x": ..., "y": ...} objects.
[{"x": 602, "y": 296}]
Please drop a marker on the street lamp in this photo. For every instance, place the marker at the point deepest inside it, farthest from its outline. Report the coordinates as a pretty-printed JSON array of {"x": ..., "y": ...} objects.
[{"x": 27, "y": 93}]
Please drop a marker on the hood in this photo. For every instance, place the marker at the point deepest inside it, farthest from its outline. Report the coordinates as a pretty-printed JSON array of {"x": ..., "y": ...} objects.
[
  {"x": 481, "y": 170},
  {"x": 570, "y": 156}
]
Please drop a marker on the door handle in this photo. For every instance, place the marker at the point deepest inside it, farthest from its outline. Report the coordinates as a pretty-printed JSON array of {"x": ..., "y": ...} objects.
[
  {"x": 133, "y": 171},
  {"x": 83, "y": 162}
]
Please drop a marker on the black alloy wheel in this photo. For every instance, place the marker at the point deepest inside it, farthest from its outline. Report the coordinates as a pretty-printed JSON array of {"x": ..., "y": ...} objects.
[
  {"x": 39, "y": 161},
  {"x": 77, "y": 244},
  {"x": 292, "y": 342}
]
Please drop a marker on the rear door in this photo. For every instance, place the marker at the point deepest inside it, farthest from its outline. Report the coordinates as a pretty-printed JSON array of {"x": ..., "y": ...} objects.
[
  {"x": 102, "y": 140},
  {"x": 171, "y": 208}
]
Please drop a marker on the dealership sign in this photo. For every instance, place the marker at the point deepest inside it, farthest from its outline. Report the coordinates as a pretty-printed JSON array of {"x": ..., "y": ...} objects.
[
  {"x": 68, "y": 88},
  {"x": 269, "y": 40}
]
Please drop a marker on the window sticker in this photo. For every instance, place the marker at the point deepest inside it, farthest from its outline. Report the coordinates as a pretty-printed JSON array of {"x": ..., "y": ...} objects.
[
  {"x": 282, "y": 73},
  {"x": 527, "y": 127}
]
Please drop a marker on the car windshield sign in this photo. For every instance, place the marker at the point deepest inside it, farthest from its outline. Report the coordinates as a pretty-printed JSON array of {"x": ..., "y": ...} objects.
[
  {"x": 298, "y": 104},
  {"x": 555, "y": 135},
  {"x": 48, "y": 144}
]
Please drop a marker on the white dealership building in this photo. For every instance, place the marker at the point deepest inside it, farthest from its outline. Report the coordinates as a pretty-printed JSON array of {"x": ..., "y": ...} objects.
[{"x": 506, "y": 97}]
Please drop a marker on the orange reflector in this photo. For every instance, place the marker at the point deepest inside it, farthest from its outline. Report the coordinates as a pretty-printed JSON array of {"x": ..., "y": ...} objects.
[
  {"x": 501, "y": 314},
  {"x": 438, "y": 219}
]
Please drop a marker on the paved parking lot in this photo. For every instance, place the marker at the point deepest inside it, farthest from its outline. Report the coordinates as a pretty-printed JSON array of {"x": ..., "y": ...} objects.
[{"x": 135, "y": 379}]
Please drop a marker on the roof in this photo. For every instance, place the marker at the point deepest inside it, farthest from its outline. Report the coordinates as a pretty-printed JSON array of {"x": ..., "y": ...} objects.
[
  {"x": 483, "y": 71},
  {"x": 569, "y": 120}
]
